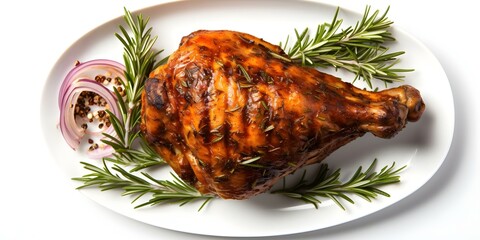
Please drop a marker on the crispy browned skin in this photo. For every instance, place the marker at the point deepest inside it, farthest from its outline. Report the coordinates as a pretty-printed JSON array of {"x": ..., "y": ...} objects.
[{"x": 205, "y": 117}]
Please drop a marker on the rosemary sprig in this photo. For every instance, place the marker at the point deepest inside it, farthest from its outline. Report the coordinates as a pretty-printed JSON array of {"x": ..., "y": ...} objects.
[
  {"x": 358, "y": 49},
  {"x": 327, "y": 184},
  {"x": 139, "y": 59},
  {"x": 161, "y": 191}
]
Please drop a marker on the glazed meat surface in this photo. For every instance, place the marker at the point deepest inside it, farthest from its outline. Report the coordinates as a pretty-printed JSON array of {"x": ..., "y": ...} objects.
[{"x": 231, "y": 119}]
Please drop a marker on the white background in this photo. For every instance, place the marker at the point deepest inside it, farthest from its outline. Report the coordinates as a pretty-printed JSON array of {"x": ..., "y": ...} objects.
[{"x": 36, "y": 202}]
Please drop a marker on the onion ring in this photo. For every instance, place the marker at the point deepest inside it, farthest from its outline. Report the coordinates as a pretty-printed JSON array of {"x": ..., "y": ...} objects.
[
  {"x": 78, "y": 80},
  {"x": 88, "y": 70}
]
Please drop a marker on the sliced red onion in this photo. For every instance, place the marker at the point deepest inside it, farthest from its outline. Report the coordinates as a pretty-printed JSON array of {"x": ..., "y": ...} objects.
[
  {"x": 88, "y": 70},
  {"x": 68, "y": 125}
]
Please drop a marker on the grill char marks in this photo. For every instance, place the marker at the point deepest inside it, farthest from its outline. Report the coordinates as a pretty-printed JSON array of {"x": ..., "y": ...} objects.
[{"x": 232, "y": 120}]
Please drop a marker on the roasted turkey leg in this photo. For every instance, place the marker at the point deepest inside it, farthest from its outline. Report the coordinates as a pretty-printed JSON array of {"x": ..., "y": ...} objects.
[{"x": 231, "y": 119}]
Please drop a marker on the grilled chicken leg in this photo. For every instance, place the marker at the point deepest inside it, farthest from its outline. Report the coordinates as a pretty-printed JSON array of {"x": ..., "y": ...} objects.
[{"x": 231, "y": 119}]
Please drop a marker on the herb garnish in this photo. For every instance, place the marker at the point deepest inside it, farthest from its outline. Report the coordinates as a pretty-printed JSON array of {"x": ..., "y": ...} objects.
[
  {"x": 358, "y": 49},
  {"x": 162, "y": 191},
  {"x": 139, "y": 61},
  {"x": 327, "y": 184}
]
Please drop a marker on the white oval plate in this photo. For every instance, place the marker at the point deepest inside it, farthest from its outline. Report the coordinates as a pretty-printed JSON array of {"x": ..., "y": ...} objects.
[{"x": 422, "y": 146}]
